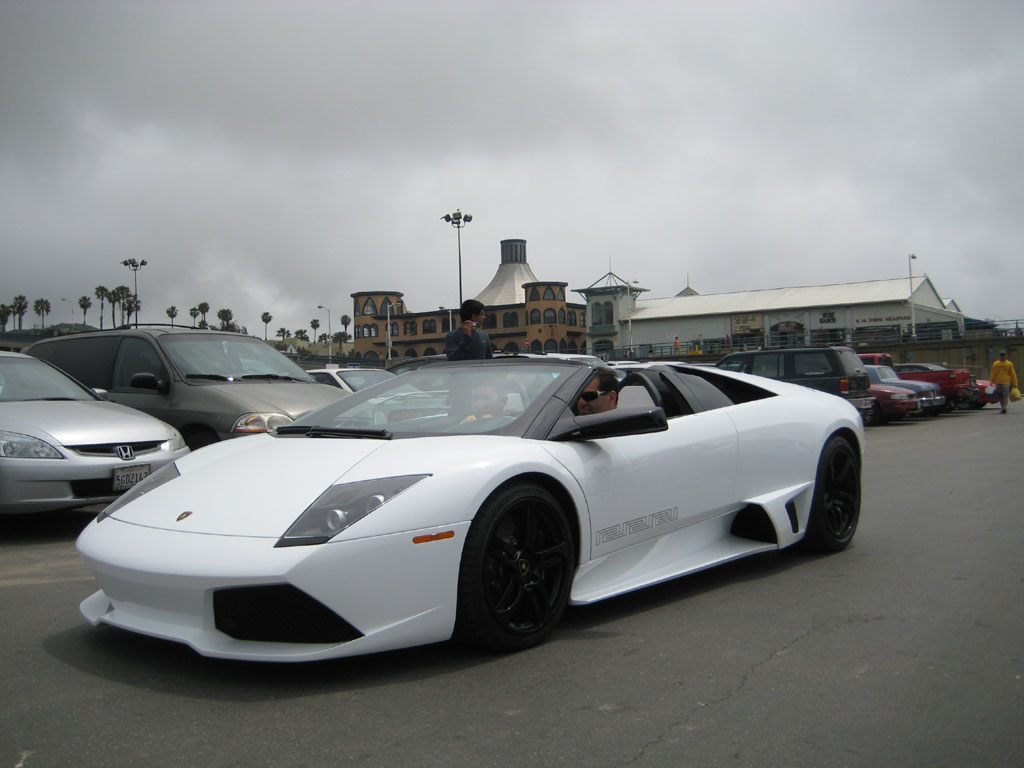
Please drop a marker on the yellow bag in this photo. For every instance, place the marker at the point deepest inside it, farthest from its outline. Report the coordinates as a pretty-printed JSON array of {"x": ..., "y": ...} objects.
[{"x": 1014, "y": 394}]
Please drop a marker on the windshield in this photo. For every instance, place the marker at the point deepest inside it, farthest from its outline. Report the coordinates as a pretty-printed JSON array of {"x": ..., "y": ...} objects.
[
  {"x": 229, "y": 358},
  {"x": 880, "y": 373},
  {"x": 444, "y": 401},
  {"x": 24, "y": 379}
]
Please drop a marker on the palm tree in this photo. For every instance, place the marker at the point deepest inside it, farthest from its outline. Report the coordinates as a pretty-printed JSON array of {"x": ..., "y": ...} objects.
[
  {"x": 193, "y": 313},
  {"x": 84, "y": 302},
  {"x": 225, "y": 316},
  {"x": 301, "y": 335},
  {"x": 345, "y": 321},
  {"x": 130, "y": 304},
  {"x": 103, "y": 294},
  {"x": 42, "y": 308},
  {"x": 5, "y": 315},
  {"x": 172, "y": 312},
  {"x": 283, "y": 333},
  {"x": 117, "y": 297},
  {"x": 266, "y": 317},
  {"x": 203, "y": 307},
  {"x": 19, "y": 307},
  {"x": 314, "y": 324}
]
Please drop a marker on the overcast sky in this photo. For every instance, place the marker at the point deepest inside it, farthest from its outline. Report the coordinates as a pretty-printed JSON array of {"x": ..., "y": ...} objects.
[{"x": 273, "y": 156}]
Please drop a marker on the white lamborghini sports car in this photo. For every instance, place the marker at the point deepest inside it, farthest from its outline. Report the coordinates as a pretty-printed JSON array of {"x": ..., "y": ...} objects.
[{"x": 470, "y": 500}]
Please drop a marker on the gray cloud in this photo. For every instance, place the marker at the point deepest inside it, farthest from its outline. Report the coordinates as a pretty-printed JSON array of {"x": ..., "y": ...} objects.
[{"x": 266, "y": 156}]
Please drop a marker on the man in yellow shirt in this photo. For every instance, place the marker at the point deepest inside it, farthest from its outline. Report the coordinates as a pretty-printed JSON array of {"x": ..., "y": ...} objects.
[{"x": 1003, "y": 376}]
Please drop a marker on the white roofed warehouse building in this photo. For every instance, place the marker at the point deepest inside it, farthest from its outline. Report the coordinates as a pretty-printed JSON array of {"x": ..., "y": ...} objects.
[{"x": 691, "y": 323}]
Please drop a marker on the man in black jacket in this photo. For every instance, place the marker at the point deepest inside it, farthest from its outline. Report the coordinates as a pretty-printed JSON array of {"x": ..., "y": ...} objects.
[{"x": 467, "y": 342}]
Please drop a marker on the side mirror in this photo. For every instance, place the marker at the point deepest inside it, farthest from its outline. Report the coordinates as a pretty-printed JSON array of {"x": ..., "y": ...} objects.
[
  {"x": 149, "y": 381},
  {"x": 621, "y": 421}
]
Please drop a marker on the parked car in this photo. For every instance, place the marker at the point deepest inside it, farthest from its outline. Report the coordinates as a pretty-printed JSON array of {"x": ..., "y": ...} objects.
[
  {"x": 956, "y": 384},
  {"x": 986, "y": 393},
  {"x": 836, "y": 370},
  {"x": 930, "y": 400},
  {"x": 62, "y": 446},
  {"x": 209, "y": 385},
  {"x": 349, "y": 379},
  {"x": 892, "y": 403},
  {"x": 410, "y": 526}
]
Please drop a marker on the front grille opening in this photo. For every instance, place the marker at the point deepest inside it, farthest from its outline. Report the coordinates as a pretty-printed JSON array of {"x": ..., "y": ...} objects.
[
  {"x": 110, "y": 449},
  {"x": 278, "y": 613}
]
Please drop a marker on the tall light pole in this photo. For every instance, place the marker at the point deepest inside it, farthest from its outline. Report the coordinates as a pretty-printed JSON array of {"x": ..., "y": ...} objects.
[
  {"x": 135, "y": 266},
  {"x": 458, "y": 220},
  {"x": 388, "y": 329},
  {"x": 910, "y": 279},
  {"x": 330, "y": 343}
]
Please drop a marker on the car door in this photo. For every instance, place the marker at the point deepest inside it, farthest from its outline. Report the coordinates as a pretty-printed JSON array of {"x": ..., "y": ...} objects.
[
  {"x": 139, "y": 355},
  {"x": 639, "y": 487}
]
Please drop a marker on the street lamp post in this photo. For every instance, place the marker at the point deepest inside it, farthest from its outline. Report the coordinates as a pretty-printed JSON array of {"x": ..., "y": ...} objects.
[
  {"x": 910, "y": 279},
  {"x": 387, "y": 329},
  {"x": 135, "y": 266},
  {"x": 458, "y": 220},
  {"x": 330, "y": 342}
]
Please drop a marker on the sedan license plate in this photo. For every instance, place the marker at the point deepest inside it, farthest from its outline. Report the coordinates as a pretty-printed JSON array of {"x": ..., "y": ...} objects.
[{"x": 126, "y": 477}]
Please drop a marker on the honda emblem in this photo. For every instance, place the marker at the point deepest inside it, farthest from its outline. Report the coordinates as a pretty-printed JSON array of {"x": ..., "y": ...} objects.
[{"x": 126, "y": 452}]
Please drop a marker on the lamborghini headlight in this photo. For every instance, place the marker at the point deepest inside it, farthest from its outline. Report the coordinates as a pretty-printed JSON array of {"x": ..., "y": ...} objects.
[
  {"x": 165, "y": 474},
  {"x": 17, "y": 446},
  {"x": 342, "y": 505}
]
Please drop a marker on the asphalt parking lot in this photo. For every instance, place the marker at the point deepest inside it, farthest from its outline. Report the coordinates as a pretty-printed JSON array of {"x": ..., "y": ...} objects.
[{"x": 906, "y": 650}]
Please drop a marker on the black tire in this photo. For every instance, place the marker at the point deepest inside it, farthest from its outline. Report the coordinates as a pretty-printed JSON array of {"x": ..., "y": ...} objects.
[
  {"x": 200, "y": 438},
  {"x": 835, "y": 508},
  {"x": 516, "y": 570},
  {"x": 875, "y": 417}
]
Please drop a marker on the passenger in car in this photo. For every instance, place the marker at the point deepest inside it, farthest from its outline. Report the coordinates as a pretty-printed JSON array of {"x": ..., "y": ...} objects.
[{"x": 601, "y": 393}]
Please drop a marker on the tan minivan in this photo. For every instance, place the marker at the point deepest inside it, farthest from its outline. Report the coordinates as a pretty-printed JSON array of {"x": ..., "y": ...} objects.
[{"x": 209, "y": 385}]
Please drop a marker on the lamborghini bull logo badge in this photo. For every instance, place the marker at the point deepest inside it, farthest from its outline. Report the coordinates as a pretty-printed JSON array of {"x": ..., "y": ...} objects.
[{"x": 183, "y": 515}]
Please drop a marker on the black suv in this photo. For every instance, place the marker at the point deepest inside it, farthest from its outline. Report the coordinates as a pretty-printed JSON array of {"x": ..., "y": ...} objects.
[
  {"x": 208, "y": 385},
  {"x": 836, "y": 370}
]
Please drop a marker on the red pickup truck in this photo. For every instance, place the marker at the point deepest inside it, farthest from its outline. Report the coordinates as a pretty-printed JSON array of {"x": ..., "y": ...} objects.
[{"x": 957, "y": 385}]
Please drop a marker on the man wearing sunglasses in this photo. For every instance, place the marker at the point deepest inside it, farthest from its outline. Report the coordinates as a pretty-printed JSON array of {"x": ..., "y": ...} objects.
[{"x": 601, "y": 394}]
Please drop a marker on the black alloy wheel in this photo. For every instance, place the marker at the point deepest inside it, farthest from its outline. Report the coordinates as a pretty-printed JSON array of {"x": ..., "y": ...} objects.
[
  {"x": 835, "y": 509},
  {"x": 516, "y": 570}
]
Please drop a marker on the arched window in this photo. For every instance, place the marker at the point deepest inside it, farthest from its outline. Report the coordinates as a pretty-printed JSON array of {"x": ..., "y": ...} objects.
[
  {"x": 534, "y": 294},
  {"x": 370, "y": 330},
  {"x": 384, "y": 304},
  {"x": 561, "y": 315},
  {"x": 410, "y": 352},
  {"x": 511, "y": 348},
  {"x": 445, "y": 325},
  {"x": 609, "y": 315},
  {"x": 561, "y": 294},
  {"x": 410, "y": 328},
  {"x": 394, "y": 328},
  {"x": 550, "y": 316},
  {"x": 571, "y": 317},
  {"x": 572, "y": 346},
  {"x": 596, "y": 314},
  {"x": 561, "y": 345},
  {"x": 369, "y": 308},
  {"x": 535, "y": 347},
  {"x": 490, "y": 320},
  {"x": 510, "y": 320},
  {"x": 550, "y": 345},
  {"x": 371, "y": 355},
  {"x": 549, "y": 295},
  {"x": 430, "y": 326},
  {"x": 429, "y": 351},
  {"x": 534, "y": 317}
]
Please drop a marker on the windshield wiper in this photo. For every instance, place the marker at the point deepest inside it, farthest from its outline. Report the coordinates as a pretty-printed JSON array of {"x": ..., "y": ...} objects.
[
  {"x": 213, "y": 376},
  {"x": 48, "y": 399},
  {"x": 296, "y": 429},
  {"x": 269, "y": 376}
]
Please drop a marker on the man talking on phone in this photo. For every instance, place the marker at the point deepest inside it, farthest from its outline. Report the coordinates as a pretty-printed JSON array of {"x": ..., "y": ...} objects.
[{"x": 468, "y": 342}]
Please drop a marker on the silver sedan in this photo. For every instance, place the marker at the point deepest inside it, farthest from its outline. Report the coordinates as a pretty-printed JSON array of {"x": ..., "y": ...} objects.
[{"x": 62, "y": 446}]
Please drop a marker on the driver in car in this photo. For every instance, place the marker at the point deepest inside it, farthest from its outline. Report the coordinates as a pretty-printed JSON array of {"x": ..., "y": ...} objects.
[
  {"x": 601, "y": 393},
  {"x": 487, "y": 402}
]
